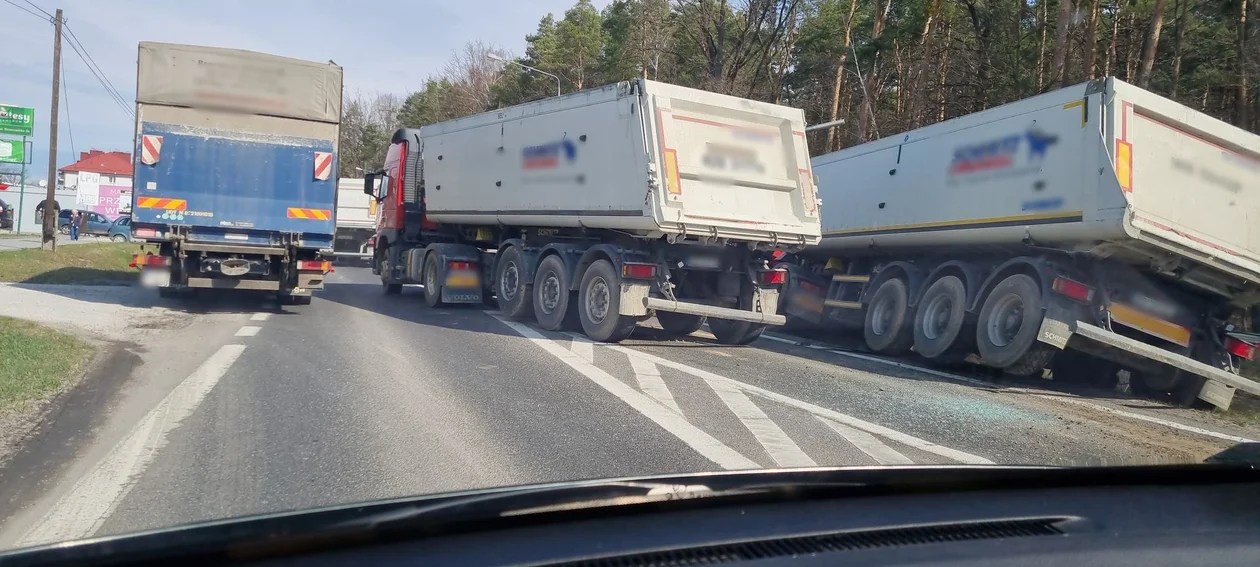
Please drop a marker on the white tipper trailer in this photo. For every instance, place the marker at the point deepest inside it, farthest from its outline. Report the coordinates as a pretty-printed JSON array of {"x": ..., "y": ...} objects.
[
  {"x": 1091, "y": 229},
  {"x": 597, "y": 209}
]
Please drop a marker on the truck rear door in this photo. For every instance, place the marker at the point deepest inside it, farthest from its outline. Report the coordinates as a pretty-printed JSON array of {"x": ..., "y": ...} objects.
[
  {"x": 732, "y": 165},
  {"x": 1192, "y": 182},
  {"x": 234, "y": 186}
]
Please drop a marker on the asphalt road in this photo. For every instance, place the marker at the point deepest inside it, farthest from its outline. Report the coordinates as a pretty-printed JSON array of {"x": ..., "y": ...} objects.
[{"x": 249, "y": 409}]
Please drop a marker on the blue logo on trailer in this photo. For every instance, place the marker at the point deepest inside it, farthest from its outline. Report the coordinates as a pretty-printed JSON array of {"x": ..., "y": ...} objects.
[
  {"x": 1001, "y": 153},
  {"x": 547, "y": 156}
]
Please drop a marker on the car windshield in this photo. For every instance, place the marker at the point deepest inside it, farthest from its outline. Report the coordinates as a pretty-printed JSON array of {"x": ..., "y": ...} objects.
[{"x": 321, "y": 257}]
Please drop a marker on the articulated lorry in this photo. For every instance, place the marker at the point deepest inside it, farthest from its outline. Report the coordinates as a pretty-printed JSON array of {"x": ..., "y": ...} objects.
[
  {"x": 236, "y": 170},
  {"x": 598, "y": 209},
  {"x": 1091, "y": 229}
]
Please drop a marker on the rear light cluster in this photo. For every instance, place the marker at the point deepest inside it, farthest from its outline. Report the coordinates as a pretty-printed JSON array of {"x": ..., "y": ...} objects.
[
  {"x": 1241, "y": 349},
  {"x": 773, "y": 277},
  {"x": 637, "y": 271},
  {"x": 1073, "y": 289},
  {"x": 314, "y": 266},
  {"x": 457, "y": 265},
  {"x": 149, "y": 261}
]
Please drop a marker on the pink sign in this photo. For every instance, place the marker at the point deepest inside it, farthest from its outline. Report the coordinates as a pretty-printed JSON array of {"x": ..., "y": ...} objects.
[{"x": 111, "y": 199}]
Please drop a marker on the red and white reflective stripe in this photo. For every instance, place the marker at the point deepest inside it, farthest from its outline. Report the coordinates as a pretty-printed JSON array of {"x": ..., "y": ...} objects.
[
  {"x": 150, "y": 149},
  {"x": 323, "y": 165}
]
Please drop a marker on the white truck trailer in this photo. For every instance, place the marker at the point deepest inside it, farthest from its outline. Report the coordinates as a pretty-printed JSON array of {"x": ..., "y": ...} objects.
[
  {"x": 597, "y": 209},
  {"x": 356, "y": 220},
  {"x": 1095, "y": 228}
]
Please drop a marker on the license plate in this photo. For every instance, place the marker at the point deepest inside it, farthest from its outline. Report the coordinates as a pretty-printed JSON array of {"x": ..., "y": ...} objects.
[
  {"x": 463, "y": 280},
  {"x": 155, "y": 278}
]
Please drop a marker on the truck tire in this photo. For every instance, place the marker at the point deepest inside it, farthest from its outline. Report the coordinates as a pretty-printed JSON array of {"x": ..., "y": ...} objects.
[
  {"x": 939, "y": 321},
  {"x": 679, "y": 323},
  {"x": 514, "y": 293},
  {"x": 432, "y": 289},
  {"x": 383, "y": 267},
  {"x": 554, "y": 305},
  {"x": 599, "y": 304},
  {"x": 888, "y": 324},
  {"x": 735, "y": 333},
  {"x": 1006, "y": 332}
]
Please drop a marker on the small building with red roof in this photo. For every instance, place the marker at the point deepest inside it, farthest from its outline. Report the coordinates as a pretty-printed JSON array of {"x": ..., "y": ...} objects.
[{"x": 115, "y": 168}]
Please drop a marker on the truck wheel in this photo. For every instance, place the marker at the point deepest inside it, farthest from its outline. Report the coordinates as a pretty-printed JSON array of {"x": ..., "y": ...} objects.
[
  {"x": 432, "y": 289},
  {"x": 554, "y": 305},
  {"x": 390, "y": 288},
  {"x": 887, "y": 326},
  {"x": 735, "y": 333},
  {"x": 1006, "y": 333},
  {"x": 599, "y": 302},
  {"x": 515, "y": 294},
  {"x": 679, "y": 323},
  {"x": 938, "y": 322}
]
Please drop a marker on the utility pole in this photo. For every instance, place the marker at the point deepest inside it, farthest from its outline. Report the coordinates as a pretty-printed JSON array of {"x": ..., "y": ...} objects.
[{"x": 50, "y": 213}]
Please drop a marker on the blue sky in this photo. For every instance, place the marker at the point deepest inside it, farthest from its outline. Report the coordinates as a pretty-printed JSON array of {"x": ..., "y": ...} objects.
[{"x": 383, "y": 45}]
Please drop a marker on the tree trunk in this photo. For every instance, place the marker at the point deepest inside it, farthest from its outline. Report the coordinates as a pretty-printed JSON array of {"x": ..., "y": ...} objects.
[
  {"x": 1043, "y": 16},
  {"x": 716, "y": 59},
  {"x": 943, "y": 74},
  {"x": 838, "y": 84},
  {"x": 1152, "y": 45},
  {"x": 1091, "y": 42},
  {"x": 1115, "y": 34},
  {"x": 1241, "y": 61},
  {"x": 1131, "y": 50},
  {"x": 920, "y": 100},
  {"x": 868, "y": 89},
  {"x": 1180, "y": 10},
  {"x": 1058, "y": 67}
]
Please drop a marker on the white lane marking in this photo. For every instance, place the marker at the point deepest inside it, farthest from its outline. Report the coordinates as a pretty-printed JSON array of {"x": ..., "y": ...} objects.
[
  {"x": 697, "y": 439},
  {"x": 781, "y": 448},
  {"x": 867, "y": 443},
  {"x": 650, "y": 381},
  {"x": 779, "y": 339},
  {"x": 82, "y": 510},
  {"x": 248, "y": 331},
  {"x": 583, "y": 349},
  {"x": 888, "y": 433},
  {"x": 260, "y": 317},
  {"x": 1147, "y": 418}
]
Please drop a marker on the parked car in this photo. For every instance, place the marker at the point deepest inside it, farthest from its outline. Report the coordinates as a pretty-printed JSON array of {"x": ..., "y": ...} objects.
[
  {"x": 96, "y": 224},
  {"x": 6, "y": 216},
  {"x": 120, "y": 231}
]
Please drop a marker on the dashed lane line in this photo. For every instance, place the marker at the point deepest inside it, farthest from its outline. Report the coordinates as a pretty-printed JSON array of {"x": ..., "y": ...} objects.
[
  {"x": 703, "y": 443},
  {"x": 248, "y": 331},
  {"x": 260, "y": 317},
  {"x": 81, "y": 512}
]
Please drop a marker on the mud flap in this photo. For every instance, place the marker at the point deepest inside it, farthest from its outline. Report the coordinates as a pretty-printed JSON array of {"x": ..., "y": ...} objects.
[{"x": 1057, "y": 326}]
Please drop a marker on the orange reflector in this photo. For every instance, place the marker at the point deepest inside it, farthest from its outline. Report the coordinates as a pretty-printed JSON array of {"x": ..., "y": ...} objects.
[
  {"x": 1153, "y": 326},
  {"x": 1073, "y": 289},
  {"x": 774, "y": 277},
  {"x": 1124, "y": 165},
  {"x": 673, "y": 182},
  {"x": 636, "y": 271}
]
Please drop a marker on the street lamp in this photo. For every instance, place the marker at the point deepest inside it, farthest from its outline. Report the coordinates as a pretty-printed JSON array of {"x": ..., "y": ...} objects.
[{"x": 527, "y": 67}]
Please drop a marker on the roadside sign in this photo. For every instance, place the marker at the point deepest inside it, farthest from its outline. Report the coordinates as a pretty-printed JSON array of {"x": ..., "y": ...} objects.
[
  {"x": 12, "y": 151},
  {"x": 17, "y": 120}
]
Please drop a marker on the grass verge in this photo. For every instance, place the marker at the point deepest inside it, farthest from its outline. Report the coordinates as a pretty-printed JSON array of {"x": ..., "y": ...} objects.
[
  {"x": 85, "y": 264},
  {"x": 36, "y": 362}
]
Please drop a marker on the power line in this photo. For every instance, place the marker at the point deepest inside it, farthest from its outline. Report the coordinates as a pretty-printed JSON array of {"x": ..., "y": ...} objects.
[
  {"x": 36, "y": 6},
  {"x": 113, "y": 94},
  {"x": 65, "y": 97},
  {"x": 25, "y": 9},
  {"x": 101, "y": 72}
]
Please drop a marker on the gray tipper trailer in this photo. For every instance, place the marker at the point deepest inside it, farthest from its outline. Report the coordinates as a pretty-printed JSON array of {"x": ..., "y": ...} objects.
[
  {"x": 235, "y": 170},
  {"x": 356, "y": 220},
  {"x": 1091, "y": 229},
  {"x": 597, "y": 209}
]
